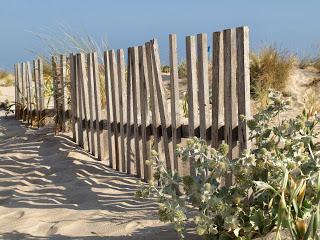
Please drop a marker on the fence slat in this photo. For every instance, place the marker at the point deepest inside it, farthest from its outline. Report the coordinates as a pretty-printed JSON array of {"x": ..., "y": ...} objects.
[
  {"x": 122, "y": 105},
  {"x": 109, "y": 111},
  {"x": 92, "y": 110},
  {"x": 203, "y": 84},
  {"x": 217, "y": 87},
  {"x": 36, "y": 87},
  {"x": 243, "y": 83},
  {"x": 175, "y": 105},
  {"x": 73, "y": 92},
  {"x": 84, "y": 97},
  {"x": 17, "y": 90},
  {"x": 155, "y": 118},
  {"x": 40, "y": 95},
  {"x": 79, "y": 101},
  {"x": 192, "y": 89},
  {"x": 129, "y": 112},
  {"x": 136, "y": 108},
  {"x": 98, "y": 109},
  {"x": 115, "y": 105},
  {"x": 63, "y": 89},
  {"x": 29, "y": 93},
  {"x": 230, "y": 95},
  {"x": 24, "y": 91},
  {"x": 144, "y": 110},
  {"x": 161, "y": 101}
]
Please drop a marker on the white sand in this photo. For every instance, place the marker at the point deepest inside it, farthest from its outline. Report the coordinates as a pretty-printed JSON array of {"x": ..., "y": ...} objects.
[{"x": 51, "y": 189}]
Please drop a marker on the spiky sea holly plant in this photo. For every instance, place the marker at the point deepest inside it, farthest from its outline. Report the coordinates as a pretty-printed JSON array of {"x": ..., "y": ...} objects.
[{"x": 276, "y": 184}]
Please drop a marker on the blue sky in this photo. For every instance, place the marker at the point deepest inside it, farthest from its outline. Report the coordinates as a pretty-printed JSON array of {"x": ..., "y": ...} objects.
[{"x": 291, "y": 24}]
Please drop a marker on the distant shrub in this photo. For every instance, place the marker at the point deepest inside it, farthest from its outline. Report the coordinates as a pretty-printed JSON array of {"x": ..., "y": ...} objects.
[
  {"x": 6, "y": 78},
  {"x": 182, "y": 69},
  {"x": 269, "y": 68},
  {"x": 165, "y": 69}
]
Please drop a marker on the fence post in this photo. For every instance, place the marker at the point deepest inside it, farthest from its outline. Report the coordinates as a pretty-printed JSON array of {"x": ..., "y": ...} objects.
[{"x": 175, "y": 105}]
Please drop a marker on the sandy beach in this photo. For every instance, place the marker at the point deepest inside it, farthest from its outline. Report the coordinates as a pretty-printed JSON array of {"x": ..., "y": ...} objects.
[{"x": 51, "y": 189}]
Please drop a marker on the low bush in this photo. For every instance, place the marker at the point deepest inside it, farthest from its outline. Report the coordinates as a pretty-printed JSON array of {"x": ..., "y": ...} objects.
[
  {"x": 276, "y": 184},
  {"x": 269, "y": 68}
]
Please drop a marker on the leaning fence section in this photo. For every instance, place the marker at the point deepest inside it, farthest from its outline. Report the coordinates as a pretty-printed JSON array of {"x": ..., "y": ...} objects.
[{"x": 119, "y": 109}]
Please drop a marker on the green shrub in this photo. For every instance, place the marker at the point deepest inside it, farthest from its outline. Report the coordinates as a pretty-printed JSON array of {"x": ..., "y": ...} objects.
[
  {"x": 182, "y": 70},
  {"x": 269, "y": 68},
  {"x": 165, "y": 69},
  {"x": 276, "y": 184}
]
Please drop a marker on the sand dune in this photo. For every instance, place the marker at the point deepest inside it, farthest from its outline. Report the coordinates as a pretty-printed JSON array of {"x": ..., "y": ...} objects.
[{"x": 51, "y": 189}]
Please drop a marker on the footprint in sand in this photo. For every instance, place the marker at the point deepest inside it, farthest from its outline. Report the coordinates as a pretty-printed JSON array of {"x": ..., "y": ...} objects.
[
  {"x": 52, "y": 230},
  {"x": 13, "y": 215}
]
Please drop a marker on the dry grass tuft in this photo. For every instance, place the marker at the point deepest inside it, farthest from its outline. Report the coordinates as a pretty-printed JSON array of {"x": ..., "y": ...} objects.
[
  {"x": 6, "y": 78},
  {"x": 269, "y": 68}
]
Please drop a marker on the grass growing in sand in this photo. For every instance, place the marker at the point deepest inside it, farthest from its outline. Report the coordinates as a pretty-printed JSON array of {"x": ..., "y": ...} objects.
[
  {"x": 6, "y": 78},
  {"x": 269, "y": 68}
]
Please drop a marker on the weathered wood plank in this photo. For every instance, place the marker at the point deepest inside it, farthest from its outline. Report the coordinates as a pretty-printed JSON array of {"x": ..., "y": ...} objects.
[
  {"x": 122, "y": 105},
  {"x": 155, "y": 117},
  {"x": 175, "y": 105},
  {"x": 129, "y": 113},
  {"x": 136, "y": 108},
  {"x": 73, "y": 92},
  {"x": 98, "y": 109},
  {"x": 217, "y": 87},
  {"x": 203, "y": 83},
  {"x": 36, "y": 86},
  {"x": 29, "y": 93},
  {"x": 192, "y": 88},
  {"x": 144, "y": 110},
  {"x": 41, "y": 95},
  {"x": 115, "y": 105},
  {"x": 230, "y": 93},
  {"x": 24, "y": 91},
  {"x": 161, "y": 101},
  {"x": 243, "y": 83},
  {"x": 63, "y": 90},
  {"x": 83, "y": 79},
  {"x": 92, "y": 110},
  {"x": 109, "y": 111},
  {"x": 79, "y": 101}
]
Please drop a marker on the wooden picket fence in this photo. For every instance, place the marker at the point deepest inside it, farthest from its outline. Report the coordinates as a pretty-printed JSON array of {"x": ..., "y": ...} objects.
[{"x": 137, "y": 116}]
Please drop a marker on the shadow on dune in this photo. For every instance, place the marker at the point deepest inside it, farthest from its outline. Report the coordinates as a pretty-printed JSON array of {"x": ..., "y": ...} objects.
[
  {"x": 150, "y": 233},
  {"x": 40, "y": 170}
]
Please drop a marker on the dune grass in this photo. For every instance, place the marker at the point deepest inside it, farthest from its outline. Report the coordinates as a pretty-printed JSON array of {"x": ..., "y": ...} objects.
[
  {"x": 269, "y": 68},
  {"x": 6, "y": 78}
]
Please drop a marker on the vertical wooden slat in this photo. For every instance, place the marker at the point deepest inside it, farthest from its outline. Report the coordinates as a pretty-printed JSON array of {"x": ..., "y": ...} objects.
[
  {"x": 17, "y": 91},
  {"x": 144, "y": 110},
  {"x": 55, "y": 91},
  {"x": 63, "y": 90},
  {"x": 73, "y": 88},
  {"x": 115, "y": 105},
  {"x": 122, "y": 105},
  {"x": 243, "y": 83},
  {"x": 109, "y": 111},
  {"x": 230, "y": 95},
  {"x": 129, "y": 112},
  {"x": 85, "y": 99},
  {"x": 92, "y": 110},
  {"x": 217, "y": 87},
  {"x": 203, "y": 93},
  {"x": 40, "y": 91},
  {"x": 24, "y": 92},
  {"x": 192, "y": 89},
  {"x": 29, "y": 93},
  {"x": 136, "y": 108},
  {"x": 36, "y": 87},
  {"x": 175, "y": 106},
  {"x": 161, "y": 101},
  {"x": 97, "y": 105},
  {"x": 79, "y": 101},
  {"x": 155, "y": 117}
]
